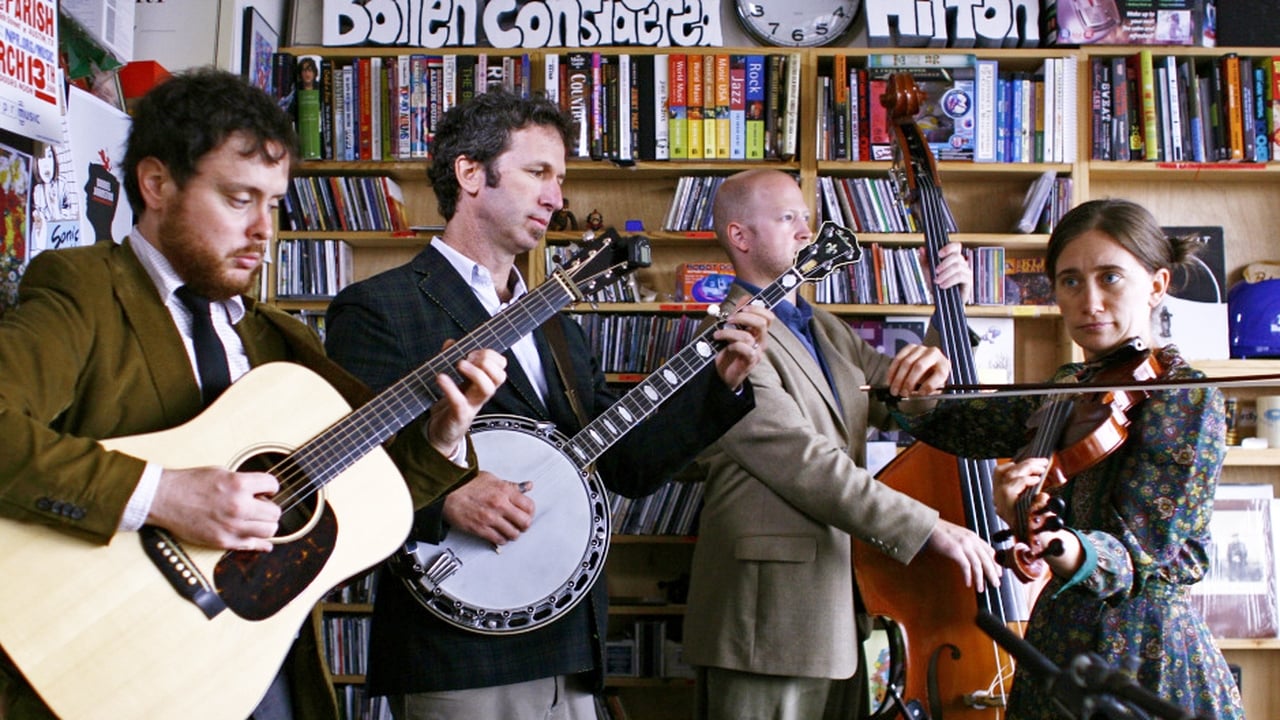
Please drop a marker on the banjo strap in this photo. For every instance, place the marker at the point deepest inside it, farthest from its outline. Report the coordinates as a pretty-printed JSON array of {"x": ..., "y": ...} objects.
[{"x": 554, "y": 332}]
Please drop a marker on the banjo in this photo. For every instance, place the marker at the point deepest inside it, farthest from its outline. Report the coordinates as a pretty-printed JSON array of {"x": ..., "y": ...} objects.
[{"x": 470, "y": 583}]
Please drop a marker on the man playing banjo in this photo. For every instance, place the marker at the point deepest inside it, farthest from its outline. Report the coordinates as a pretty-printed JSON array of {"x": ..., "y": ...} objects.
[{"x": 497, "y": 167}]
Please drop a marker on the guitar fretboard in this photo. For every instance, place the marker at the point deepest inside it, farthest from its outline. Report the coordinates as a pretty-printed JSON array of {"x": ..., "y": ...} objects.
[{"x": 333, "y": 451}]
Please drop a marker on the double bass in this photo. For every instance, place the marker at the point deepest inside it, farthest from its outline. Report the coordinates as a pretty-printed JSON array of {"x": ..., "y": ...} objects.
[{"x": 936, "y": 648}]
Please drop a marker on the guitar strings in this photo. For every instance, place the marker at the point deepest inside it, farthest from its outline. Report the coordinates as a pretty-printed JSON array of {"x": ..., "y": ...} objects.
[{"x": 318, "y": 461}]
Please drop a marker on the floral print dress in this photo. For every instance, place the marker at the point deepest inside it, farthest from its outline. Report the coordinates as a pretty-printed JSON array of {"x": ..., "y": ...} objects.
[{"x": 1142, "y": 515}]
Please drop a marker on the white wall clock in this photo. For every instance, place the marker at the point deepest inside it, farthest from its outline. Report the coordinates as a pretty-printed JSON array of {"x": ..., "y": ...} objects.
[{"x": 797, "y": 23}]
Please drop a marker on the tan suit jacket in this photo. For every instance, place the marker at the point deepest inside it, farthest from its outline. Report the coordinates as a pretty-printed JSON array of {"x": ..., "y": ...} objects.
[{"x": 772, "y": 582}]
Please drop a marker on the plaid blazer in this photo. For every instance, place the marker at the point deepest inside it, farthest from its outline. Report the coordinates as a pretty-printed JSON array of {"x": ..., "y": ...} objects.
[{"x": 382, "y": 328}]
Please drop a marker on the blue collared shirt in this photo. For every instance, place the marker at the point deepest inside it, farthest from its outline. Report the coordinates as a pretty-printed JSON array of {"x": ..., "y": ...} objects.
[{"x": 798, "y": 318}]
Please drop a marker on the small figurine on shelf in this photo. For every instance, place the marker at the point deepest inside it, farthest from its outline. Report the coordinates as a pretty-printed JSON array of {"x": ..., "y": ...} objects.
[
  {"x": 595, "y": 221},
  {"x": 563, "y": 219}
]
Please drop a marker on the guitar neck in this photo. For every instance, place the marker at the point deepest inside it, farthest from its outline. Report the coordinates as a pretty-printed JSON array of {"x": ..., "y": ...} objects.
[{"x": 333, "y": 451}]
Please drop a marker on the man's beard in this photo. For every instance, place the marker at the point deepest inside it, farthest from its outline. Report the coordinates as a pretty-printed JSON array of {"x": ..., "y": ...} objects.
[{"x": 198, "y": 265}]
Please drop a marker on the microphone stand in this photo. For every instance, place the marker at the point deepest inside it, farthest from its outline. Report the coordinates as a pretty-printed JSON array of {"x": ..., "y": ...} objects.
[{"x": 1089, "y": 687}]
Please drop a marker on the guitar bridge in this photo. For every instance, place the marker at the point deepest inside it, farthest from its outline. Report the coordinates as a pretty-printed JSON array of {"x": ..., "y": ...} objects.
[{"x": 176, "y": 566}]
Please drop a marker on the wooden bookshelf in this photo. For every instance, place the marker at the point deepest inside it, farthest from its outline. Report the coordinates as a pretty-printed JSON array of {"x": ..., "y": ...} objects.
[{"x": 985, "y": 199}]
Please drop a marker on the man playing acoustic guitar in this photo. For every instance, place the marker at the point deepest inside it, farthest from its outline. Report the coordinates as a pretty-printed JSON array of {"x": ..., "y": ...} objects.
[{"x": 104, "y": 343}]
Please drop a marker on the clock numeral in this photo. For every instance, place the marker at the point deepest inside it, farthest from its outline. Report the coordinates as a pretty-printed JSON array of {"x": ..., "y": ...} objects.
[{"x": 755, "y": 10}]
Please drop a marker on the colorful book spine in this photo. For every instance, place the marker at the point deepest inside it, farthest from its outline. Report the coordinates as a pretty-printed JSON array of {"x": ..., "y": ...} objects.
[
  {"x": 721, "y": 78},
  {"x": 984, "y": 141},
  {"x": 1119, "y": 109},
  {"x": 418, "y": 106},
  {"x": 1176, "y": 150},
  {"x": 755, "y": 97},
  {"x": 840, "y": 110},
  {"x": 772, "y": 105},
  {"x": 1150, "y": 117},
  {"x": 660, "y": 109},
  {"x": 737, "y": 107},
  {"x": 327, "y": 109},
  {"x": 677, "y": 99},
  {"x": 599, "y": 139},
  {"x": 1272, "y": 64},
  {"x": 308, "y": 95},
  {"x": 710, "y": 108},
  {"x": 695, "y": 105},
  {"x": 1262, "y": 139},
  {"x": 577, "y": 100},
  {"x": 791, "y": 112},
  {"x": 1232, "y": 106}
]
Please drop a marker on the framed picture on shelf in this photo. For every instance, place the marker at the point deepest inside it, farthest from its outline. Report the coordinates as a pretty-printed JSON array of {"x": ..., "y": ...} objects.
[{"x": 260, "y": 42}]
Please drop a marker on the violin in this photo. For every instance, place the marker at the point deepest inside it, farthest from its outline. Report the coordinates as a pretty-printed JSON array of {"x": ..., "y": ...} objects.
[{"x": 1074, "y": 433}]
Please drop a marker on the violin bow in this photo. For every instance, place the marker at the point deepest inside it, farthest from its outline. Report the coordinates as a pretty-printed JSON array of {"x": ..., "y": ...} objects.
[{"x": 968, "y": 391}]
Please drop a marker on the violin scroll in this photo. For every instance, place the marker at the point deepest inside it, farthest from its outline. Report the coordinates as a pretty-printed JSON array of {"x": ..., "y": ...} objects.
[{"x": 1026, "y": 557}]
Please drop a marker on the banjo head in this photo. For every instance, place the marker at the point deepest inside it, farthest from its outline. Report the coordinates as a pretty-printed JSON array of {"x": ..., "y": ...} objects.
[{"x": 544, "y": 573}]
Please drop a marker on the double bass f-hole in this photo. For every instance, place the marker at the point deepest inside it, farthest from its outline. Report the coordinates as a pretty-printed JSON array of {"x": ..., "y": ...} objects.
[{"x": 1074, "y": 433}]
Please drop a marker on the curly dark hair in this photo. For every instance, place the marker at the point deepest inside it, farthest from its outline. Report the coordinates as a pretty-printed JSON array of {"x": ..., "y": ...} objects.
[
  {"x": 480, "y": 129},
  {"x": 191, "y": 114}
]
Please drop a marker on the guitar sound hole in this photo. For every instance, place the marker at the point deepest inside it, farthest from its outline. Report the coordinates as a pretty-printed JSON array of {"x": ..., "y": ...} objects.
[{"x": 297, "y": 511}]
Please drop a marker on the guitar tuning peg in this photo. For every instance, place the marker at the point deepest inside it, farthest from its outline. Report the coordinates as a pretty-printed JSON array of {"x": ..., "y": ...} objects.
[
  {"x": 1053, "y": 523},
  {"x": 1001, "y": 536},
  {"x": 1057, "y": 505}
]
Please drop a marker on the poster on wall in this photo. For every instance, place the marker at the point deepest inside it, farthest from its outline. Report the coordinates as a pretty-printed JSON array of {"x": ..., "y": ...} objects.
[
  {"x": 15, "y": 179},
  {"x": 55, "y": 198},
  {"x": 98, "y": 133},
  {"x": 30, "y": 103}
]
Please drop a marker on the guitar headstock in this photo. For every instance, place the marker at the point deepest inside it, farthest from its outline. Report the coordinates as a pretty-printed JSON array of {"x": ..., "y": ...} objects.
[
  {"x": 603, "y": 259},
  {"x": 835, "y": 246}
]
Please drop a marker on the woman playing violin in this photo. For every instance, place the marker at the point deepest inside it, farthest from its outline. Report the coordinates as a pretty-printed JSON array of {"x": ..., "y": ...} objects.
[{"x": 1136, "y": 522}]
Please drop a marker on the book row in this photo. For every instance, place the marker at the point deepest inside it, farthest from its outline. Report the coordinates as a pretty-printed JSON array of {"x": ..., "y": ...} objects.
[
  {"x": 312, "y": 268},
  {"x": 1174, "y": 108},
  {"x": 678, "y": 106},
  {"x": 670, "y": 510},
  {"x": 636, "y": 343},
  {"x": 625, "y": 289},
  {"x": 359, "y": 589},
  {"x": 645, "y": 651},
  {"x": 384, "y": 108},
  {"x": 899, "y": 276},
  {"x": 972, "y": 109},
  {"x": 346, "y": 643},
  {"x": 344, "y": 203},
  {"x": 867, "y": 204},
  {"x": 354, "y": 703}
]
